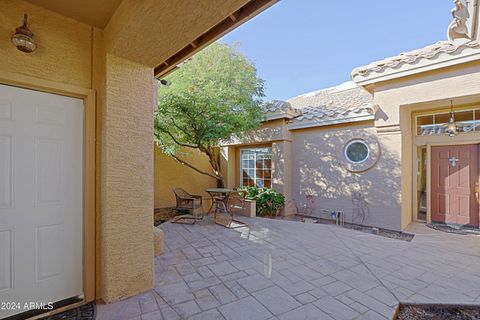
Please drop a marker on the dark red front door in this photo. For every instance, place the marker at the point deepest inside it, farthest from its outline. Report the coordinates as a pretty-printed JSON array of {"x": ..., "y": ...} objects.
[{"x": 454, "y": 176}]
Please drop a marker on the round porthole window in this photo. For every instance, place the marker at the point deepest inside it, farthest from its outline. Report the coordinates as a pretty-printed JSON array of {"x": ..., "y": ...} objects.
[{"x": 357, "y": 151}]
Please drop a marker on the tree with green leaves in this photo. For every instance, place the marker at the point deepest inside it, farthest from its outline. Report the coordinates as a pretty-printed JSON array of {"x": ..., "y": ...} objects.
[{"x": 212, "y": 96}]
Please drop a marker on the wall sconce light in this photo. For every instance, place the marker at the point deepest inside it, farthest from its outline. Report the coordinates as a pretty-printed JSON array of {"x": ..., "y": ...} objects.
[{"x": 23, "y": 38}]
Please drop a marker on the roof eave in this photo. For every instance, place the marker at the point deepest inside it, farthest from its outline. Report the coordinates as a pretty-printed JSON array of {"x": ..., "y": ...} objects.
[
  {"x": 251, "y": 9},
  {"x": 329, "y": 122},
  {"x": 276, "y": 117},
  {"x": 425, "y": 65},
  {"x": 290, "y": 114}
]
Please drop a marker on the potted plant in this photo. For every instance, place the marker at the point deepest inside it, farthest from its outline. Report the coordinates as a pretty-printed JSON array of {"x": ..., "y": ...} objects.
[
  {"x": 262, "y": 201},
  {"x": 250, "y": 201}
]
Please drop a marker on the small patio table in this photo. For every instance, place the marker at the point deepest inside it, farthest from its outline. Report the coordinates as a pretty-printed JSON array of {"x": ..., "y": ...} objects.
[{"x": 220, "y": 197}]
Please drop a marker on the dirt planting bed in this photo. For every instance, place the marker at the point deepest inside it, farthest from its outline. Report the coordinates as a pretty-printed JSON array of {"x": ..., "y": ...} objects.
[{"x": 438, "y": 312}]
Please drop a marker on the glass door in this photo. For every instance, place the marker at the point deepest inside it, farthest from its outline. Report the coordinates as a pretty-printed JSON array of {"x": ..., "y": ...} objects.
[{"x": 421, "y": 214}]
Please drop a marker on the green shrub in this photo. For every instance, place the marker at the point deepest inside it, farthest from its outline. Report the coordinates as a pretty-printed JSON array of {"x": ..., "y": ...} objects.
[
  {"x": 268, "y": 200},
  {"x": 252, "y": 192}
]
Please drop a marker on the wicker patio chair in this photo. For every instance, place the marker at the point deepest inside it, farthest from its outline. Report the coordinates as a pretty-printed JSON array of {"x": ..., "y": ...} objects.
[{"x": 188, "y": 202}]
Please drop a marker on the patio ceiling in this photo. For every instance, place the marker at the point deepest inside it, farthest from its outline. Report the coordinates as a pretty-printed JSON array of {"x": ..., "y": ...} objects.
[
  {"x": 92, "y": 12},
  {"x": 157, "y": 33}
]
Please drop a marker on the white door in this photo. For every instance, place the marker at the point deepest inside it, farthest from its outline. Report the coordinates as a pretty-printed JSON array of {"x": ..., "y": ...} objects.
[{"x": 41, "y": 197}]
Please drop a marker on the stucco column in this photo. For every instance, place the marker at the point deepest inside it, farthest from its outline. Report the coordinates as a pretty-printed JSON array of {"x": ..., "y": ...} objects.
[
  {"x": 126, "y": 180},
  {"x": 282, "y": 172},
  {"x": 228, "y": 165}
]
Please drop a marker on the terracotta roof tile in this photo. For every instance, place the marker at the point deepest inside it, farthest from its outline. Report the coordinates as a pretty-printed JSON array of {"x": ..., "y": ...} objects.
[
  {"x": 277, "y": 106},
  {"x": 428, "y": 52},
  {"x": 343, "y": 101}
]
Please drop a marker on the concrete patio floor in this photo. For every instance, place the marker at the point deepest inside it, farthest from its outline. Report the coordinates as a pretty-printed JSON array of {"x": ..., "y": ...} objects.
[{"x": 294, "y": 270}]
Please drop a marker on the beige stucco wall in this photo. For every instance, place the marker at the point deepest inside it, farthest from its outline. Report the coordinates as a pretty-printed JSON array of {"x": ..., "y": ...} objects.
[
  {"x": 311, "y": 162},
  {"x": 228, "y": 165},
  {"x": 388, "y": 185},
  {"x": 72, "y": 53},
  {"x": 282, "y": 169},
  {"x": 64, "y": 45},
  {"x": 397, "y": 99},
  {"x": 273, "y": 134},
  {"x": 435, "y": 86},
  {"x": 274, "y": 130},
  {"x": 127, "y": 179},
  {"x": 68, "y": 52},
  {"x": 170, "y": 174},
  {"x": 319, "y": 170},
  {"x": 99, "y": 85}
]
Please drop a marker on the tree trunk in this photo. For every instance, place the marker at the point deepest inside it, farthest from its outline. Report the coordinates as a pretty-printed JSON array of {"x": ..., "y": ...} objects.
[
  {"x": 221, "y": 182},
  {"x": 214, "y": 162}
]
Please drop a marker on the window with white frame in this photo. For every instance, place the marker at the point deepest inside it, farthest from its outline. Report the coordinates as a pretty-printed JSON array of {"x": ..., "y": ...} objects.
[
  {"x": 256, "y": 167},
  {"x": 436, "y": 123}
]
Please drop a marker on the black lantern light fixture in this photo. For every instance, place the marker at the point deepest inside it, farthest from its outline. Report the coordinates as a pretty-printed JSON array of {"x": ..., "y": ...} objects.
[
  {"x": 23, "y": 38},
  {"x": 452, "y": 128}
]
